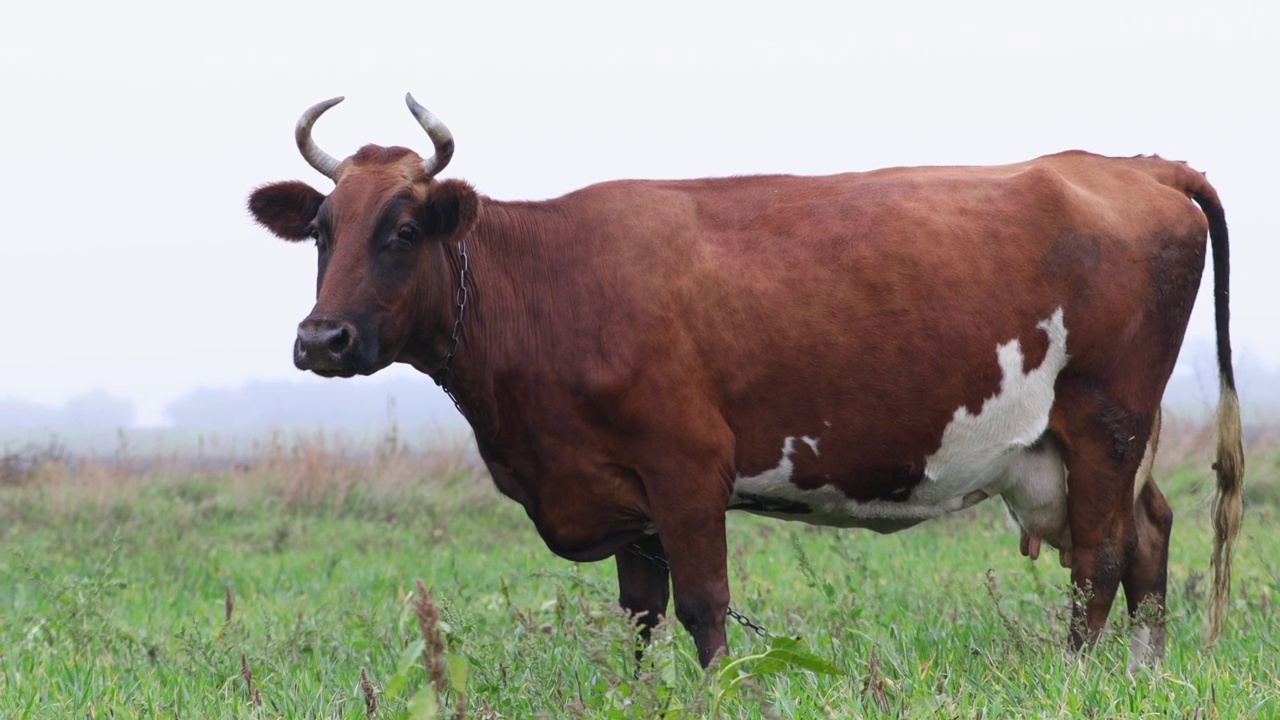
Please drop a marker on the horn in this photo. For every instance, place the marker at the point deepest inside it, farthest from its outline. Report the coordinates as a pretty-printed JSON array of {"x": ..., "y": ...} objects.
[
  {"x": 322, "y": 161},
  {"x": 440, "y": 136}
]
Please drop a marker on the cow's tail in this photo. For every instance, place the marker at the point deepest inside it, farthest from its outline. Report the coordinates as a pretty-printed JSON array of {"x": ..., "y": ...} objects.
[{"x": 1228, "y": 500}]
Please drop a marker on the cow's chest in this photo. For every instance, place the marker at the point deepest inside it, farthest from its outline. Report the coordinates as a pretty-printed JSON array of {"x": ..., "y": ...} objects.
[{"x": 998, "y": 451}]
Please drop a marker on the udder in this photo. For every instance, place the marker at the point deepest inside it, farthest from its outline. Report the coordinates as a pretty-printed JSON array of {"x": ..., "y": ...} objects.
[{"x": 1035, "y": 495}]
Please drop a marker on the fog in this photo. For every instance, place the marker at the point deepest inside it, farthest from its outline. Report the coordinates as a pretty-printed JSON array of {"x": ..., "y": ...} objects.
[{"x": 133, "y": 281}]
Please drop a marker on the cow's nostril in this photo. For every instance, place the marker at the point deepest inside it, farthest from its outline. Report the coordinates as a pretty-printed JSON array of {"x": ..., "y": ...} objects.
[{"x": 339, "y": 341}]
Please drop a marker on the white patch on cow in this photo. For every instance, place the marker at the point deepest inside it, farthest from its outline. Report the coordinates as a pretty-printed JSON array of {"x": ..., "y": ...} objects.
[
  {"x": 774, "y": 482},
  {"x": 1001, "y": 450},
  {"x": 978, "y": 446},
  {"x": 827, "y": 423},
  {"x": 1148, "y": 458},
  {"x": 812, "y": 443},
  {"x": 773, "y": 493}
]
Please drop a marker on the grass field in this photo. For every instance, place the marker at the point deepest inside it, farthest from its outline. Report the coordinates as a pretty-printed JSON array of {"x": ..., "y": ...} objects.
[{"x": 266, "y": 590}]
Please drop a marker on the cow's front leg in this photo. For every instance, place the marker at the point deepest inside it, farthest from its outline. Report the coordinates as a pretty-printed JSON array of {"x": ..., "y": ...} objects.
[
  {"x": 644, "y": 585},
  {"x": 695, "y": 544}
]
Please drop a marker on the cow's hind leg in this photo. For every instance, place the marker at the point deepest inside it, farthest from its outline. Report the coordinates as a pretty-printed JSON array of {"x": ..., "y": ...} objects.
[
  {"x": 1104, "y": 445},
  {"x": 644, "y": 585},
  {"x": 1146, "y": 579}
]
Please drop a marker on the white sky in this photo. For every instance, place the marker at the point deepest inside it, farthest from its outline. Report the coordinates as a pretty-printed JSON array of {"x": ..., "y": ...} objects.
[{"x": 133, "y": 132}]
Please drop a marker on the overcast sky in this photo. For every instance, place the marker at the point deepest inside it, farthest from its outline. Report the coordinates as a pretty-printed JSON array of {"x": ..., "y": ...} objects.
[{"x": 133, "y": 132}]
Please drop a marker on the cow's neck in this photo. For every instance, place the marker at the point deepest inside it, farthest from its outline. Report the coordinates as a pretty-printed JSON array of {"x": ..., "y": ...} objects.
[{"x": 518, "y": 279}]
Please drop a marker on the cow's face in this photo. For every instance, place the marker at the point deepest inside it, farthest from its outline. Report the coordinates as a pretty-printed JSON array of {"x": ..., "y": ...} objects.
[{"x": 386, "y": 242}]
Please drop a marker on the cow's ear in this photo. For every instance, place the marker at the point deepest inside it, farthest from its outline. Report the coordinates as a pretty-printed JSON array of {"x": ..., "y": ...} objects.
[
  {"x": 286, "y": 208},
  {"x": 450, "y": 211}
]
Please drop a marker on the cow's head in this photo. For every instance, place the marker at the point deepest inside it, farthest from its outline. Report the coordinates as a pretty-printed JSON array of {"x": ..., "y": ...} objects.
[{"x": 386, "y": 240}]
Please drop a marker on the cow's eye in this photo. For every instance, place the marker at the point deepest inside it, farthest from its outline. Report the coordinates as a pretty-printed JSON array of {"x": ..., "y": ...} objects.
[
  {"x": 407, "y": 234},
  {"x": 313, "y": 232}
]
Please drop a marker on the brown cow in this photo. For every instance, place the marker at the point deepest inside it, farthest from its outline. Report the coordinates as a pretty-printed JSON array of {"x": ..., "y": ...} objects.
[{"x": 863, "y": 350}]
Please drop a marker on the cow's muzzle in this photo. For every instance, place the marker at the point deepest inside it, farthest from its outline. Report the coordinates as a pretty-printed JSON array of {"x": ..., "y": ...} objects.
[{"x": 328, "y": 347}]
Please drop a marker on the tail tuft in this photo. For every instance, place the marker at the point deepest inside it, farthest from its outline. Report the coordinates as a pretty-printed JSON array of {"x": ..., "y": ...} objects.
[{"x": 1228, "y": 507}]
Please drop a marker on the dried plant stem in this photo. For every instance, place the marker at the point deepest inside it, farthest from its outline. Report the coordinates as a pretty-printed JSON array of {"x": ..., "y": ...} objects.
[
  {"x": 255, "y": 698},
  {"x": 429, "y": 626},
  {"x": 370, "y": 699}
]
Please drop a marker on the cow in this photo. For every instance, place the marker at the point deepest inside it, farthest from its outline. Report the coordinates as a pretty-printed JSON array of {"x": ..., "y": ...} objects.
[{"x": 865, "y": 350}]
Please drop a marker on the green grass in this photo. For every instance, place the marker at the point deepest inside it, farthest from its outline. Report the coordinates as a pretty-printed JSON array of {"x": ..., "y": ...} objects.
[{"x": 113, "y": 604}]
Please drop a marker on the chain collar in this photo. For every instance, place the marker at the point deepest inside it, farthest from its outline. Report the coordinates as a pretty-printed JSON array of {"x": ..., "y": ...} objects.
[{"x": 457, "y": 326}]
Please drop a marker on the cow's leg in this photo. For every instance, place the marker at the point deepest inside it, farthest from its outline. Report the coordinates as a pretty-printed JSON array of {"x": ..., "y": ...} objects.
[
  {"x": 1104, "y": 541},
  {"x": 1104, "y": 447},
  {"x": 1146, "y": 578},
  {"x": 644, "y": 586},
  {"x": 693, "y": 537}
]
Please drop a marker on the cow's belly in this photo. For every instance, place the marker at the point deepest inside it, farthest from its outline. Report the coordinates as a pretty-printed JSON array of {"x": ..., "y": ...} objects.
[
  {"x": 1031, "y": 480},
  {"x": 1001, "y": 450},
  {"x": 828, "y": 506}
]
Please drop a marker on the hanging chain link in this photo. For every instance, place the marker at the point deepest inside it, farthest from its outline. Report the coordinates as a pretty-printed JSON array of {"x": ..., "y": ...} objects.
[
  {"x": 457, "y": 326},
  {"x": 658, "y": 560},
  {"x": 746, "y": 622}
]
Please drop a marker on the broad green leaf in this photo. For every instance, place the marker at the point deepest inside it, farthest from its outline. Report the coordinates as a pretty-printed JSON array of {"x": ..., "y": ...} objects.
[
  {"x": 404, "y": 667},
  {"x": 455, "y": 667},
  {"x": 423, "y": 705}
]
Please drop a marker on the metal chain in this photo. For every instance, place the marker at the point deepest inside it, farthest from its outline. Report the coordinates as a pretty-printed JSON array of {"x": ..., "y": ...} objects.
[
  {"x": 746, "y": 622},
  {"x": 658, "y": 560},
  {"x": 457, "y": 326}
]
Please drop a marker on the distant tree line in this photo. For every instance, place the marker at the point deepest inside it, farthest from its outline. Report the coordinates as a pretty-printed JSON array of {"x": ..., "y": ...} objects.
[
  {"x": 331, "y": 404},
  {"x": 368, "y": 405},
  {"x": 412, "y": 402},
  {"x": 93, "y": 411}
]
